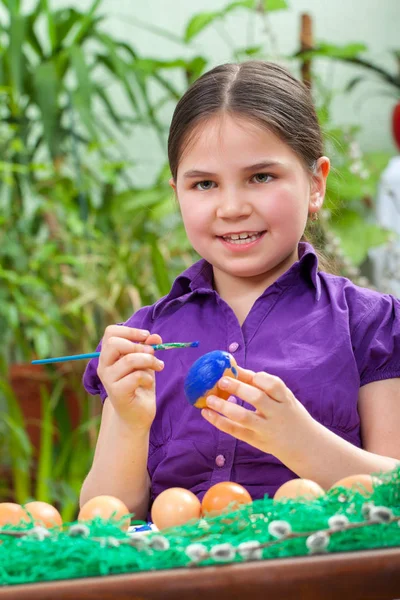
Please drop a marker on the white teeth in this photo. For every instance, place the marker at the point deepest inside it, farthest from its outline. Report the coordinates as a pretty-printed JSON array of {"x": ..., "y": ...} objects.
[{"x": 241, "y": 238}]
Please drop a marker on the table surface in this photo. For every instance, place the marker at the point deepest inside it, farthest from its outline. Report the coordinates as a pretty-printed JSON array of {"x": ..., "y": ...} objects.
[{"x": 372, "y": 574}]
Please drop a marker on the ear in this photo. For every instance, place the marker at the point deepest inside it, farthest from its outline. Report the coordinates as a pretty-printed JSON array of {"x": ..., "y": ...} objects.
[
  {"x": 172, "y": 184},
  {"x": 318, "y": 184}
]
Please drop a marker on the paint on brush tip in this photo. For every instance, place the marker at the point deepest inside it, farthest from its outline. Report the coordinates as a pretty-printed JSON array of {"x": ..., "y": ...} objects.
[{"x": 172, "y": 345}]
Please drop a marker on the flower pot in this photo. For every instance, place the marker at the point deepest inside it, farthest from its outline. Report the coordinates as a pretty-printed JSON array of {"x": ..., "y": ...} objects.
[{"x": 27, "y": 380}]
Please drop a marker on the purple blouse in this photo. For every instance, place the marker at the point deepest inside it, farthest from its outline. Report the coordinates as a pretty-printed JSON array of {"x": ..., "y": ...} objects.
[{"x": 321, "y": 334}]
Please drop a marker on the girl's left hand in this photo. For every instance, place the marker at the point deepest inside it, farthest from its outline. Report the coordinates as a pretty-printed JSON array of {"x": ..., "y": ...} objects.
[{"x": 279, "y": 418}]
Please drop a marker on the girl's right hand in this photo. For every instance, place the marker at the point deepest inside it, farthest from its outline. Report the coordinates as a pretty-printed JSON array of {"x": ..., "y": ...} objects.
[{"x": 127, "y": 370}]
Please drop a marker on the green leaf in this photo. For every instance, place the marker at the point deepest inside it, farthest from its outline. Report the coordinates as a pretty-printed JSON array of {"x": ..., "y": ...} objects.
[
  {"x": 348, "y": 51},
  {"x": 64, "y": 20},
  {"x": 17, "y": 34},
  {"x": 45, "y": 460},
  {"x": 198, "y": 23},
  {"x": 86, "y": 23},
  {"x": 160, "y": 268},
  {"x": 51, "y": 30},
  {"x": 82, "y": 97},
  {"x": 357, "y": 235},
  {"x": 203, "y": 20},
  {"x": 195, "y": 68},
  {"x": 31, "y": 36},
  {"x": 46, "y": 85},
  {"x": 239, "y": 4},
  {"x": 270, "y": 5},
  {"x": 117, "y": 67},
  {"x": 353, "y": 83},
  {"x": 101, "y": 93}
]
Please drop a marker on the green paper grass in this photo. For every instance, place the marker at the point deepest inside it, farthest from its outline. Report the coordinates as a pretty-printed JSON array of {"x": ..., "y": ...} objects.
[{"x": 108, "y": 550}]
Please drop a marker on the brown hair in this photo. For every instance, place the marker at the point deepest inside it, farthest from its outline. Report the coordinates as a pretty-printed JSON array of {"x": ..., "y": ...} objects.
[{"x": 261, "y": 91}]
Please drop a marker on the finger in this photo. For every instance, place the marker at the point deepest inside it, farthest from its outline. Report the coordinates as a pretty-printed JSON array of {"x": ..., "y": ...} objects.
[
  {"x": 263, "y": 386},
  {"x": 116, "y": 347},
  {"x": 132, "y": 381},
  {"x": 247, "y": 392},
  {"x": 129, "y": 333},
  {"x": 227, "y": 426},
  {"x": 273, "y": 386},
  {"x": 153, "y": 338},
  {"x": 131, "y": 362},
  {"x": 245, "y": 375},
  {"x": 234, "y": 412}
]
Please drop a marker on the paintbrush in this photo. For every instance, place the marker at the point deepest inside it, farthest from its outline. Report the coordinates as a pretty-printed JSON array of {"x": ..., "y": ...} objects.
[{"x": 167, "y": 346}]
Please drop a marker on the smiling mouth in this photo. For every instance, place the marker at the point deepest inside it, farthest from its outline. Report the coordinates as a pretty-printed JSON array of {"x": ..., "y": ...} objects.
[{"x": 242, "y": 238}]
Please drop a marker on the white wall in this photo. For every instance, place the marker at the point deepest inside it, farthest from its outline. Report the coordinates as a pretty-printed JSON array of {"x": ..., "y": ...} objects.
[{"x": 373, "y": 22}]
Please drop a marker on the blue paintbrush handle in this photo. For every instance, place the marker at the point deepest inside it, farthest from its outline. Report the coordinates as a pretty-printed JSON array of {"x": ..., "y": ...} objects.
[
  {"x": 46, "y": 361},
  {"x": 57, "y": 359}
]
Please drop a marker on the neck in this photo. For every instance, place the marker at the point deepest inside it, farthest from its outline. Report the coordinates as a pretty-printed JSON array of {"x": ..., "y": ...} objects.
[{"x": 242, "y": 292}]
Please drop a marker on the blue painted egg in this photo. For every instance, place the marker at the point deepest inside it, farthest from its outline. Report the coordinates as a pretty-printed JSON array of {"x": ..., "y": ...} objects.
[{"x": 204, "y": 374}]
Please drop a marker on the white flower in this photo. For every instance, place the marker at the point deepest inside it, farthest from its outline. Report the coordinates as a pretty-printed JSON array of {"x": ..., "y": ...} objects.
[
  {"x": 79, "y": 530},
  {"x": 318, "y": 542},
  {"x": 223, "y": 552},
  {"x": 159, "y": 542},
  {"x": 39, "y": 533},
  {"x": 196, "y": 552},
  {"x": 338, "y": 522},
  {"x": 380, "y": 514},
  {"x": 356, "y": 168},
  {"x": 279, "y": 529},
  {"x": 366, "y": 509},
  {"x": 355, "y": 150},
  {"x": 250, "y": 550},
  {"x": 113, "y": 542},
  {"x": 138, "y": 541}
]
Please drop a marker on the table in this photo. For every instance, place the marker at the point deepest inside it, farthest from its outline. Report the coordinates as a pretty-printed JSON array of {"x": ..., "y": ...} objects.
[{"x": 366, "y": 575}]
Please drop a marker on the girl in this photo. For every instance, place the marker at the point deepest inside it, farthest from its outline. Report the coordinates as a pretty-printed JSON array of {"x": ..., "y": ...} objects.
[{"x": 318, "y": 394}]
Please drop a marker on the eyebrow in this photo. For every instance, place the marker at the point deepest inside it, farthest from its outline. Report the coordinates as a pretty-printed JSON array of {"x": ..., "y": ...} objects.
[{"x": 266, "y": 164}]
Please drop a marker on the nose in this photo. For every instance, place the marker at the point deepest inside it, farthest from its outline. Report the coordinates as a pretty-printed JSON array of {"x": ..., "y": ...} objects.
[{"x": 232, "y": 204}]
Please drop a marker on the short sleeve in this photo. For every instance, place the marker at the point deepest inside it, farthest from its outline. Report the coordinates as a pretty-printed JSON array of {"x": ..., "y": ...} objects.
[
  {"x": 91, "y": 381},
  {"x": 376, "y": 340}
]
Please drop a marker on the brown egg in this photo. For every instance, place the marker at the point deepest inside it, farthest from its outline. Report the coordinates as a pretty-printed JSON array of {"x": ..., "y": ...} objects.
[
  {"x": 44, "y": 514},
  {"x": 299, "y": 488},
  {"x": 105, "y": 507},
  {"x": 224, "y": 497},
  {"x": 12, "y": 514},
  {"x": 363, "y": 483},
  {"x": 174, "y": 507}
]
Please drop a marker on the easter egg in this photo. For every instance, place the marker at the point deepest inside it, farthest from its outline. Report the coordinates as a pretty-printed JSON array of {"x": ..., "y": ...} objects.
[
  {"x": 224, "y": 496},
  {"x": 363, "y": 483},
  {"x": 43, "y": 514},
  {"x": 105, "y": 507},
  {"x": 204, "y": 374},
  {"x": 174, "y": 507},
  {"x": 12, "y": 514},
  {"x": 299, "y": 488}
]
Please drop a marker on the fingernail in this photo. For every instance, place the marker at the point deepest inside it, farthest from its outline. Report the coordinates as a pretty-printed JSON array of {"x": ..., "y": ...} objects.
[
  {"x": 160, "y": 363},
  {"x": 224, "y": 383},
  {"x": 211, "y": 401},
  {"x": 144, "y": 332}
]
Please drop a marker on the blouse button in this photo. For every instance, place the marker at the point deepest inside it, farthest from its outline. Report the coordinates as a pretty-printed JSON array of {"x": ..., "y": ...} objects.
[
  {"x": 233, "y": 347},
  {"x": 220, "y": 460}
]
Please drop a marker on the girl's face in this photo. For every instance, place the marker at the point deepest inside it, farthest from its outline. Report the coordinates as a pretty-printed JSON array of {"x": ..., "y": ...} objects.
[{"x": 245, "y": 197}]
